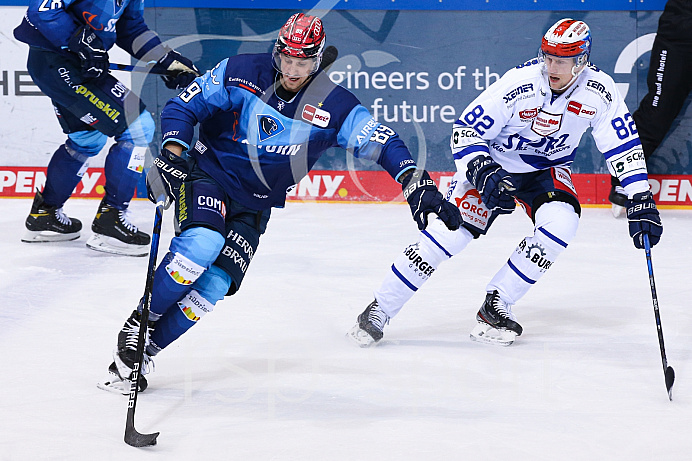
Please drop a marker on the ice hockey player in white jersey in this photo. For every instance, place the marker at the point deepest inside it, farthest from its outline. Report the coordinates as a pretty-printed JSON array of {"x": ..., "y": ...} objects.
[{"x": 514, "y": 144}]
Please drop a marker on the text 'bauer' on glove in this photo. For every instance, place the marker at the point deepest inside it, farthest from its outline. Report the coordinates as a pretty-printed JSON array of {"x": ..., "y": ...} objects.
[
  {"x": 643, "y": 219},
  {"x": 165, "y": 177},
  {"x": 492, "y": 182},
  {"x": 92, "y": 54},
  {"x": 179, "y": 71},
  {"x": 423, "y": 197}
]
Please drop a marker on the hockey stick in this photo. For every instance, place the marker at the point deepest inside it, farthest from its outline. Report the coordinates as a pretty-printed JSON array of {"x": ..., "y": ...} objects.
[
  {"x": 129, "y": 68},
  {"x": 667, "y": 371},
  {"x": 328, "y": 57},
  {"x": 132, "y": 437}
]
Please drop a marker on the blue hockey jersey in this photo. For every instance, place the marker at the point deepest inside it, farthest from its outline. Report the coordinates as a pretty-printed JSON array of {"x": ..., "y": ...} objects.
[
  {"x": 49, "y": 24},
  {"x": 258, "y": 145}
]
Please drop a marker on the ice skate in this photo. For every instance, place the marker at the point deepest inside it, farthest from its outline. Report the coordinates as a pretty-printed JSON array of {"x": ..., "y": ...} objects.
[
  {"x": 49, "y": 223},
  {"x": 371, "y": 322},
  {"x": 496, "y": 322},
  {"x": 618, "y": 200},
  {"x": 114, "y": 233},
  {"x": 121, "y": 371}
]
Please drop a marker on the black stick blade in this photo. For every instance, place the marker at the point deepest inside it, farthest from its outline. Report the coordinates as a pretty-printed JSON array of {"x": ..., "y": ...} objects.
[
  {"x": 328, "y": 57},
  {"x": 135, "y": 439},
  {"x": 670, "y": 379}
]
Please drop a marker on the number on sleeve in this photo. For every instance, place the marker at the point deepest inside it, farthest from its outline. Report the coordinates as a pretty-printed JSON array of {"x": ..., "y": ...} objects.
[
  {"x": 480, "y": 124},
  {"x": 622, "y": 128},
  {"x": 190, "y": 92},
  {"x": 382, "y": 134}
]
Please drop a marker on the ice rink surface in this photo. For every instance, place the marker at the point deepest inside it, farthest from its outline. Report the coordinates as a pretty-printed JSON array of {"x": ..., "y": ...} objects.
[{"x": 270, "y": 375}]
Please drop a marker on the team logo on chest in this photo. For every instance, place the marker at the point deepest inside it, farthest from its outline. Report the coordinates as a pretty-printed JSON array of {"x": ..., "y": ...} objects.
[
  {"x": 316, "y": 116},
  {"x": 546, "y": 124},
  {"x": 268, "y": 126}
]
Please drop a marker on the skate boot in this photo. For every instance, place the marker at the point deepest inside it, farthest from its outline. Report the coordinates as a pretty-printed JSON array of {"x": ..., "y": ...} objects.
[
  {"x": 618, "y": 199},
  {"x": 122, "y": 371},
  {"x": 49, "y": 223},
  {"x": 371, "y": 322},
  {"x": 496, "y": 322},
  {"x": 114, "y": 233}
]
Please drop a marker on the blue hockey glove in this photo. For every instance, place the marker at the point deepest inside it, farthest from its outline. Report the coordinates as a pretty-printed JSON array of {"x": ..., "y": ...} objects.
[
  {"x": 179, "y": 71},
  {"x": 493, "y": 183},
  {"x": 643, "y": 219},
  {"x": 423, "y": 197},
  {"x": 165, "y": 177},
  {"x": 92, "y": 54}
]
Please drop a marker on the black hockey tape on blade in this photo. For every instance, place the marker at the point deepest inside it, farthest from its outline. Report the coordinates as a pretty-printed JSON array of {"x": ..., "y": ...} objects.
[
  {"x": 670, "y": 379},
  {"x": 329, "y": 56},
  {"x": 135, "y": 439}
]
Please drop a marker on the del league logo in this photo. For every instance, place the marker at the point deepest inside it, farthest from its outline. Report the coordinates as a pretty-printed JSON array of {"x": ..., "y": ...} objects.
[{"x": 316, "y": 116}]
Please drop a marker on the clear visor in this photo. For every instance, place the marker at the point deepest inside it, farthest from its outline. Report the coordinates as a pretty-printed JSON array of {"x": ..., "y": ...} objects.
[
  {"x": 295, "y": 67},
  {"x": 560, "y": 64}
]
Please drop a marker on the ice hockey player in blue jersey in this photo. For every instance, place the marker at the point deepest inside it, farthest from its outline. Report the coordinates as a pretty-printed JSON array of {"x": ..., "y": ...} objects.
[
  {"x": 264, "y": 120},
  {"x": 68, "y": 60},
  {"x": 515, "y": 143}
]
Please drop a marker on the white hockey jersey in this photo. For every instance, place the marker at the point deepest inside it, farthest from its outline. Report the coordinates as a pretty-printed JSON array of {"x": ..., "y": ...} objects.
[{"x": 517, "y": 122}]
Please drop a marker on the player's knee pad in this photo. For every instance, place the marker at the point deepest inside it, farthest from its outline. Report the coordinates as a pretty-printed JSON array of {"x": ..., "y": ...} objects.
[
  {"x": 556, "y": 226},
  {"x": 200, "y": 244},
  {"x": 213, "y": 284},
  {"x": 191, "y": 253},
  {"x": 558, "y": 219},
  {"x": 140, "y": 132},
  {"x": 84, "y": 144}
]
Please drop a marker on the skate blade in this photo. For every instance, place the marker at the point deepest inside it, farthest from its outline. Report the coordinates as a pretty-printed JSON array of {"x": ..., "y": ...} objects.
[
  {"x": 361, "y": 337},
  {"x": 484, "y": 333},
  {"x": 48, "y": 236},
  {"x": 114, "y": 246},
  {"x": 115, "y": 385},
  {"x": 617, "y": 210}
]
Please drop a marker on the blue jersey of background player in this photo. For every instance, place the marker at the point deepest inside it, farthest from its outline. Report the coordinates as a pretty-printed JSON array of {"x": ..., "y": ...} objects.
[
  {"x": 68, "y": 60},
  {"x": 264, "y": 120}
]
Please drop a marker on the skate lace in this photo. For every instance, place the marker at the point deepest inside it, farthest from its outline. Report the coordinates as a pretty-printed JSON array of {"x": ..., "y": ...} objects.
[
  {"x": 62, "y": 217},
  {"x": 131, "y": 343},
  {"x": 502, "y": 308},
  {"x": 125, "y": 221},
  {"x": 377, "y": 317}
]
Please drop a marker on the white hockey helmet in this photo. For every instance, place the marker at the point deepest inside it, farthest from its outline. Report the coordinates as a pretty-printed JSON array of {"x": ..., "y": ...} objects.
[{"x": 568, "y": 38}]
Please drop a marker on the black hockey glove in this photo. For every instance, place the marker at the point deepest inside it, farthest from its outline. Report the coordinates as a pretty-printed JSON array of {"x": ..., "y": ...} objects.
[
  {"x": 493, "y": 183},
  {"x": 93, "y": 55},
  {"x": 423, "y": 197},
  {"x": 179, "y": 71},
  {"x": 165, "y": 177},
  {"x": 643, "y": 219}
]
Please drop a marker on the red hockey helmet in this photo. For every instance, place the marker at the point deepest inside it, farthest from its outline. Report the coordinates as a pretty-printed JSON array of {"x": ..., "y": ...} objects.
[
  {"x": 568, "y": 38},
  {"x": 301, "y": 37}
]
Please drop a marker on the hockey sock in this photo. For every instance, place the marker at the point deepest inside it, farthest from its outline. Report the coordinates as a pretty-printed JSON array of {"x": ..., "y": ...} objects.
[
  {"x": 123, "y": 168},
  {"x": 556, "y": 225},
  {"x": 63, "y": 175},
  {"x": 175, "y": 322},
  {"x": 417, "y": 263}
]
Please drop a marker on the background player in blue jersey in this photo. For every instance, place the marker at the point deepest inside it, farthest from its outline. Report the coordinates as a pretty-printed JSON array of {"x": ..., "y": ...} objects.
[
  {"x": 516, "y": 142},
  {"x": 264, "y": 120},
  {"x": 68, "y": 60}
]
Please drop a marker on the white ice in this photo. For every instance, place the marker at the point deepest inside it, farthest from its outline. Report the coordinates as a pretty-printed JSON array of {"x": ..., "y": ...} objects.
[{"x": 270, "y": 375}]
